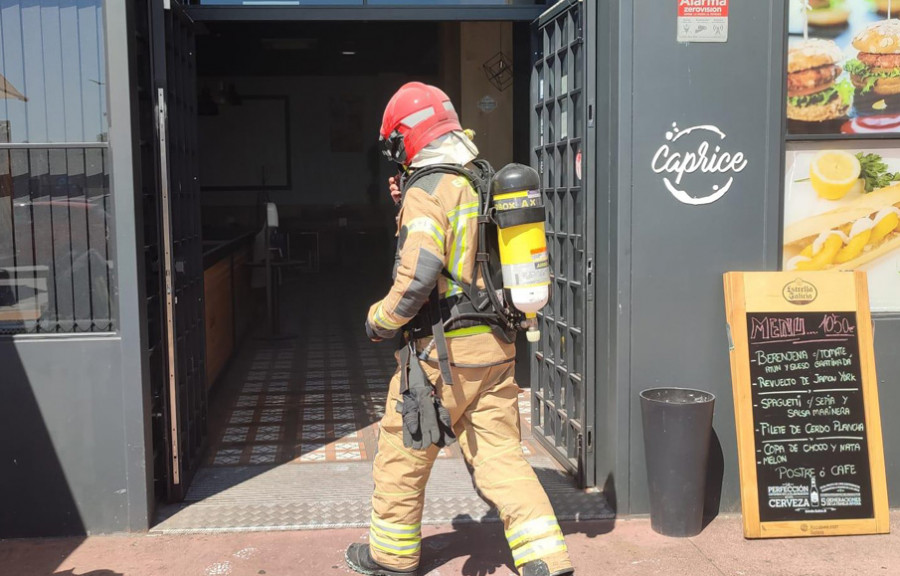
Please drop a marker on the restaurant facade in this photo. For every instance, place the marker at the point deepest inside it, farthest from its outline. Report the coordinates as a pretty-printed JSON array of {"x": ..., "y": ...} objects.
[{"x": 660, "y": 133}]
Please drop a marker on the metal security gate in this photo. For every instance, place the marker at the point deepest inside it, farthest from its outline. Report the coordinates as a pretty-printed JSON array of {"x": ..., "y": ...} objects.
[
  {"x": 563, "y": 367},
  {"x": 166, "y": 67}
]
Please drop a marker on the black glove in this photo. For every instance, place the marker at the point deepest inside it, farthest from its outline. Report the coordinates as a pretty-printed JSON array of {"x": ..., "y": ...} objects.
[
  {"x": 425, "y": 420},
  {"x": 420, "y": 427},
  {"x": 444, "y": 423}
]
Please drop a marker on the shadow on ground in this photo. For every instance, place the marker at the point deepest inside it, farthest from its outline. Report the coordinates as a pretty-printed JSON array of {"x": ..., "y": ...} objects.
[
  {"x": 42, "y": 557},
  {"x": 484, "y": 546}
]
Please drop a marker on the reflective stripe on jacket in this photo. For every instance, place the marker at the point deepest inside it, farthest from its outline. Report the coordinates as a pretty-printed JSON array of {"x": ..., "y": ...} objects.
[{"x": 437, "y": 230}]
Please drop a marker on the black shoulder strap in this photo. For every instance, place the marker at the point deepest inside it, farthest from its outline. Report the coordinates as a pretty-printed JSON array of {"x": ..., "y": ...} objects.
[
  {"x": 479, "y": 181},
  {"x": 433, "y": 311},
  {"x": 440, "y": 339}
]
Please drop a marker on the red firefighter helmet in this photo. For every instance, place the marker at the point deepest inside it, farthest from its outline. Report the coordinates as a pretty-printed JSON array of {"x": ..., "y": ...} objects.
[{"x": 415, "y": 116}]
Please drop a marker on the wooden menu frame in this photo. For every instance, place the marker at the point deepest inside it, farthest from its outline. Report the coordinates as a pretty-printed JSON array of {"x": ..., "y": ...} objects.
[{"x": 767, "y": 292}]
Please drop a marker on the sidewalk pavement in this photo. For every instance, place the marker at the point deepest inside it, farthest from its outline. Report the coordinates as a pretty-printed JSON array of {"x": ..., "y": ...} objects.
[{"x": 621, "y": 548}]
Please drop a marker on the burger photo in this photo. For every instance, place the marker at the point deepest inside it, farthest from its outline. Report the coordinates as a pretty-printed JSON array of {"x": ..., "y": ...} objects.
[
  {"x": 875, "y": 72},
  {"x": 827, "y": 13},
  {"x": 814, "y": 94}
]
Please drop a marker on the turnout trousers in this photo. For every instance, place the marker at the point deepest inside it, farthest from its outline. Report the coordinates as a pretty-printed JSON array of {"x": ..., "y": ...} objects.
[{"x": 483, "y": 404}]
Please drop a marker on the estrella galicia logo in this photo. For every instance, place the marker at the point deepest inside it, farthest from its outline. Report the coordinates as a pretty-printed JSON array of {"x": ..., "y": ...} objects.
[
  {"x": 800, "y": 292},
  {"x": 698, "y": 149}
]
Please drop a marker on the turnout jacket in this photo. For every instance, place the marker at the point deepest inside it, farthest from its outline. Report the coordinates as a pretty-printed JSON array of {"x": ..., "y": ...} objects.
[{"x": 437, "y": 230}]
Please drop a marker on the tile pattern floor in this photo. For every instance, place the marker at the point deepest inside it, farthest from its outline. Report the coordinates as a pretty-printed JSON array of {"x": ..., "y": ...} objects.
[
  {"x": 293, "y": 432},
  {"x": 296, "y": 403}
]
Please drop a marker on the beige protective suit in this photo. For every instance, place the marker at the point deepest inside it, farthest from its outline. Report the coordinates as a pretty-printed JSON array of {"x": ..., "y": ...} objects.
[{"x": 437, "y": 230}]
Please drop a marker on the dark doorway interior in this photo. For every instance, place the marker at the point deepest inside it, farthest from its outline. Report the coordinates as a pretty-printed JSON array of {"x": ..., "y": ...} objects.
[{"x": 288, "y": 114}]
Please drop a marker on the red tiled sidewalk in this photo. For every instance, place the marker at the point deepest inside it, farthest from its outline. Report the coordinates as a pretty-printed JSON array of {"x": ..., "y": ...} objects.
[{"x": 623, "y": 548}]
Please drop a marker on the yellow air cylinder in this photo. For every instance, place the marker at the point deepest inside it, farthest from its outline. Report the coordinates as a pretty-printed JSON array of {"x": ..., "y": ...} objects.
[{"x": 519, "y": 214}]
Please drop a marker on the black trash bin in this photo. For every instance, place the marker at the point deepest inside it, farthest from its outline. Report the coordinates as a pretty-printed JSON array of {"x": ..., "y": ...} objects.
[{"x": 677, "y": 431}]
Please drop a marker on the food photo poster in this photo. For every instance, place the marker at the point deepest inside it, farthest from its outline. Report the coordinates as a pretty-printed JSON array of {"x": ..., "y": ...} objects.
[
  {"x": 843, "y": 67},
  {"x": 842, "y": 212}
]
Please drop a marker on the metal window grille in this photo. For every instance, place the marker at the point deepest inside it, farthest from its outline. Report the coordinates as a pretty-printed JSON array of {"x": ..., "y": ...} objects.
[
  {"x": 56, "y": 264},
  {"x": 165, "y": 62},
  {"x": 187, "y": 242},
  {"x": 561, "y": 368},
  {"x": 152, "y": 234}
]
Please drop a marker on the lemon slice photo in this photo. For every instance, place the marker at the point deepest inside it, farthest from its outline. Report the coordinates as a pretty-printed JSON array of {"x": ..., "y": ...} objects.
[{"x": 833, "y": 173}]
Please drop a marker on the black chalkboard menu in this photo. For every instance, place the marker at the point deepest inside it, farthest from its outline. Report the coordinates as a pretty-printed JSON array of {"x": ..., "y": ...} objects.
[
  {"x": 806, "y": 404},
  {"x": 809, "y": 415}
]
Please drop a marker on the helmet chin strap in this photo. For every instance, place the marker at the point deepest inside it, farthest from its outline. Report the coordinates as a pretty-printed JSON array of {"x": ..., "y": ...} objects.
[{"x": 405, "y": 173}]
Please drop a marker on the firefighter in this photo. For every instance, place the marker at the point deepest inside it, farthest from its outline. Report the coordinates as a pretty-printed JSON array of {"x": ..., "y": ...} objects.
[{"x": 477, "y": 402}]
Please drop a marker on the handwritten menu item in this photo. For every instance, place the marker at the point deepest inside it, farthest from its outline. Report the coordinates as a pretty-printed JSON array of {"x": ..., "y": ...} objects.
[{"x": 806, "y": 404}]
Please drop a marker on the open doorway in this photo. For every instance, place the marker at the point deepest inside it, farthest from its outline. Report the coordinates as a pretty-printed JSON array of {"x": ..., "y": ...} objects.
[{"x": 288, "y": 114}]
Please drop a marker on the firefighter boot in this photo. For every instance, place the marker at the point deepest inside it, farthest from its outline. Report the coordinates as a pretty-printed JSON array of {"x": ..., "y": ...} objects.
[
  {"x": 359, "y": 559},
  {"x": 539, "y": 568}
]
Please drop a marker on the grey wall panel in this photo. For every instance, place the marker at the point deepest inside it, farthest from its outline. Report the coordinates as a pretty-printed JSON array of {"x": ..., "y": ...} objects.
[
  {"x": 62, "y": 459},
  {"x": 618, "y": 410},
  {"x": 887, "y": 364},
  {"x": 602, "y": 33},
  {"x": 74, "y": 411},
  {"x": 679, "y": 251},
  {"x": 133, "y": 376}
]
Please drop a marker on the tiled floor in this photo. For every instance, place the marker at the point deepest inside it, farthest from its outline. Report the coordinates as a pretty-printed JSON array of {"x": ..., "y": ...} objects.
[
  {"x": 293, "y": 431},
  {"x": 282, "y": 414},
  {"x": 310, "y": 400}
]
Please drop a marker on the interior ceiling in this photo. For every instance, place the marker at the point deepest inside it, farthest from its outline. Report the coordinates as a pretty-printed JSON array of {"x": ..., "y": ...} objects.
[{"x": 318, "y": 48}]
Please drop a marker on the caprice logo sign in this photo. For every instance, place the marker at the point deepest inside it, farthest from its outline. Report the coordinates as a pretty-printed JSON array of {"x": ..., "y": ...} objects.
[{"x": 684, "y": 157}]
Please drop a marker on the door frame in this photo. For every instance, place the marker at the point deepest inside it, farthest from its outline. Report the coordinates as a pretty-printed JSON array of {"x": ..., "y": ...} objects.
[
  {"x": 199, "y": 14},
  {"x": 571, "y": 439},
  {"x": 208, "y": 13},
  {"x": 185, "y": 405}
]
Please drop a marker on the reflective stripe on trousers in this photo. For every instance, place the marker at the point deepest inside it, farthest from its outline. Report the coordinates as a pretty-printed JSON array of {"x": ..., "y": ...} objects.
[
  {"x": 396, "y": 539},
  {"x": 483, "y": 405},
  {"x": 535, "y": 539}
]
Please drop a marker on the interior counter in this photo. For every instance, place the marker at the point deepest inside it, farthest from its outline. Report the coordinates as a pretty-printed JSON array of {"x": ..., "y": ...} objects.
[{"x": 228, "y": 300}]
